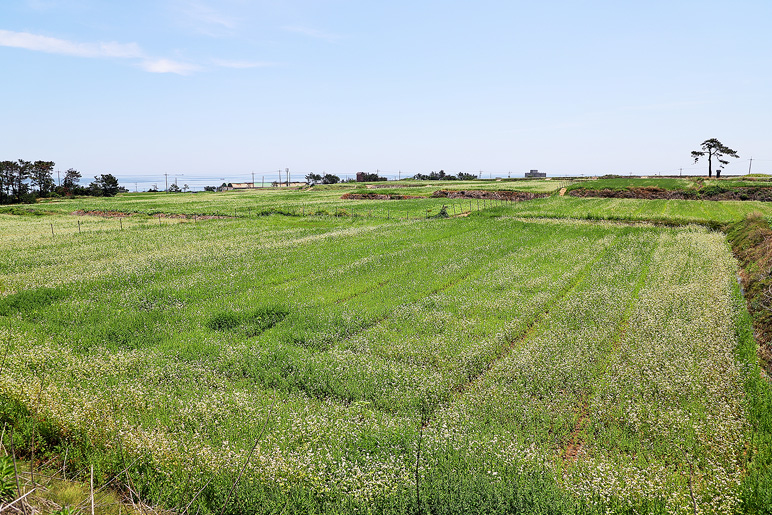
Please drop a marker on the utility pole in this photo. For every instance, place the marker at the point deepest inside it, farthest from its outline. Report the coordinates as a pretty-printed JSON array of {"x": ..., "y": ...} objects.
[
  {"x": 262, "y": 184},
  {"x": 279, "y": 183},
  {"x": 166, "y": 176},
  {"x": 750, "y": 162},
  {"x": 253, "y": 180},
  {"x": 680, "y": 171},
  {"x": 136, "y": 190},
  {"x": 399, "y": 177},
  {"x": 59, "y": 177},
  {"x": 287, "y": 170}
]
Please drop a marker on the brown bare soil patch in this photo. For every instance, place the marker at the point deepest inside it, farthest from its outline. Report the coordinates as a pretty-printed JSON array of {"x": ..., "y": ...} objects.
[
  {"x": 119, "y": 214},
  {"x": 760, "y": 194},
  {"x": 376, "y": 196},
  {"x": 648, "y": 192},
  {"x": 575, "y": 443},
  {"x": 655, "y": 193},
  {"x": 103, "y": 214}
]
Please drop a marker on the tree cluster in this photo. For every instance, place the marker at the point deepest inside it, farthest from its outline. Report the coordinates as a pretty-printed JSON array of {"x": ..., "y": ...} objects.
[
  {"x": 24, "y": 181},
  {"x": 369, "y": 177},
  {"x": 442, "y": 176},
  {"x": 328, "y": 178}
]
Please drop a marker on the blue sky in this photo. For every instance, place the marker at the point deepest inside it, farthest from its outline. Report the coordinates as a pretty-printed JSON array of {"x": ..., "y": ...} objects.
[{"x": 207, "y": 89}]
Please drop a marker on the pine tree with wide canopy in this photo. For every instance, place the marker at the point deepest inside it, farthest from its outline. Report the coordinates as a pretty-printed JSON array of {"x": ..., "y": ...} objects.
[{"x": 714, "y": 148}]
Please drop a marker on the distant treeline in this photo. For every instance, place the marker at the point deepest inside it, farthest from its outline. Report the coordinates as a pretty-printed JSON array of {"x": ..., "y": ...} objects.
[
  {"x": 442, "y": 176},
  {"x": 25, "y": 181}
]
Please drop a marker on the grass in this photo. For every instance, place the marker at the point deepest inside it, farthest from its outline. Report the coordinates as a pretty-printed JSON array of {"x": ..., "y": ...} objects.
[
  {"x": 694, "y": 188},
  {"x": 153, "y": 209},
  {"x": 750, "y": 240},
  {"x": 668, "y": 212},
  {"x": 621, "y": 183},
  {"x": 52, "y": 492},
  {"x": 531, "y": 357}
]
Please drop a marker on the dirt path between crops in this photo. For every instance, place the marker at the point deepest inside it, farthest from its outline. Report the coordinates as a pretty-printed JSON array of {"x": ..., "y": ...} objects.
[{"x": 575, "y": 443}]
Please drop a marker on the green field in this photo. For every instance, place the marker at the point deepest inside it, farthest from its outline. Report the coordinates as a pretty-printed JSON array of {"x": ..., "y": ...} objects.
[
  {"x": 529, "y": 357},
  {"x": 691, "y": 184},
  {"x": 308, "y": 200},
  {"x": 619, "y": 183},
  {"x": 326, "y": 202}
]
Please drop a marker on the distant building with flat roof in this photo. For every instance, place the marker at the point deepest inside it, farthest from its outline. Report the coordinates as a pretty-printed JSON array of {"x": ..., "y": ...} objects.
[{"x": 536, "y": 174}]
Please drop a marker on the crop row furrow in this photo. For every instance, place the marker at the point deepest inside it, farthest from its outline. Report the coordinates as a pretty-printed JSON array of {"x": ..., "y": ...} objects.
[
  {"x": 571, "y": 450},
  {"x": 532, "y": 325}
]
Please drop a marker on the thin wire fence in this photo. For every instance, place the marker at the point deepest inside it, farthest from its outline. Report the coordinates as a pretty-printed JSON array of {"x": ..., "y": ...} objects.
[{"x": 354, "y": 210}]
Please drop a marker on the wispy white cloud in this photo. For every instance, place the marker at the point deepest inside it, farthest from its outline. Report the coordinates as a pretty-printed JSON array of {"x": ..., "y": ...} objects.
[
  {"x": 109, "y": 50},
  {"x": 168, "y": 66},
  {"x": 113, "y": 50},
  {"x": 61, "y": 46},
  {"x": 312, "y": 33}
]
